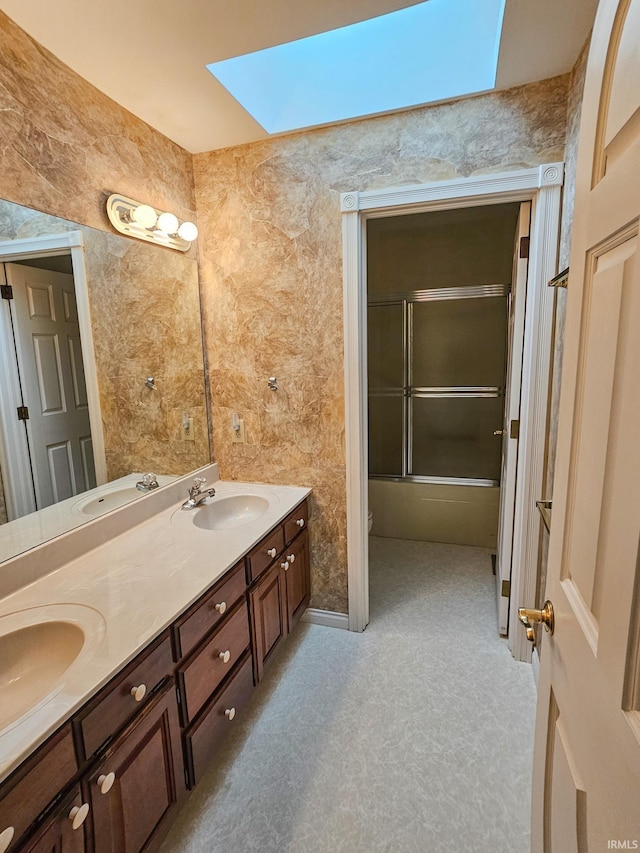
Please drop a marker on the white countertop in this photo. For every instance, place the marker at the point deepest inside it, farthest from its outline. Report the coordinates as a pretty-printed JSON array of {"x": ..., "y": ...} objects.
[{"x": 135, "y": 585}]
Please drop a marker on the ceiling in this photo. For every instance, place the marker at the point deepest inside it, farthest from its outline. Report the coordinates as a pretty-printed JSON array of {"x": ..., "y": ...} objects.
[{"x": 150, "y": 55}]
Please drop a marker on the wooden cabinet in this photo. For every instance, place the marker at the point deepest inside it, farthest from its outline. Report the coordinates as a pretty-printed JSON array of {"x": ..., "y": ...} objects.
[
  {"x": 136, "y": 788},
  {"x": 203, "y": 739},
  {"x": 297, "y": 582},
  {"x": 124, "y": 696},
  {"x": 281, "y": 594},
  {"x": 28, "y": 792},
  {"x": 268, "y": 616},
  {"x": 66, "y": 831},
  {"x": 112, "y": 779}
]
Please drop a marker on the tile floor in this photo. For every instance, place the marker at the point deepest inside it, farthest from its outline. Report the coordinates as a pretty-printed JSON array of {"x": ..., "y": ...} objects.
[{"x": 413, "y": 737}]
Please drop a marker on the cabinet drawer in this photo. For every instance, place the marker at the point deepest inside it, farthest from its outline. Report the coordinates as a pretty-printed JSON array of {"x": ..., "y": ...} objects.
[
  {"x": 25, "y": 794},
  {"x": 296, "y": 521},
  {"x": 264, "y": 554},
  {"x": 204, "y": 672},
  {"x": 58, "y": 833},
  {"x": 105, "y": 715},
  {"x": 200, "y": 619},
  {"x": 204, "y": 739}
]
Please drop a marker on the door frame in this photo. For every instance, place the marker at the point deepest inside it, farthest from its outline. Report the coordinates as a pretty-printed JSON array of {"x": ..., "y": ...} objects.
[
  {"x": 542, "y": 185},
  {"x": 14, "y": 450}
]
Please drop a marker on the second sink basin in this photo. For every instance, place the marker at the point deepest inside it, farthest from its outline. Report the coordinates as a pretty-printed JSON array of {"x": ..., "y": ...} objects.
[
  {"x": 38, "y": 647},
  {"x": 227, "y": 511}
]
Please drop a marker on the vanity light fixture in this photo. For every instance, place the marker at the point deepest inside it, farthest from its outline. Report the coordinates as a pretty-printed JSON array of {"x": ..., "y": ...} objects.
[{"x": 146, "y": 223}]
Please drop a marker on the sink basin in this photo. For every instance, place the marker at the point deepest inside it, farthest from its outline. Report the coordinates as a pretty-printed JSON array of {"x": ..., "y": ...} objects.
[
  {"x": 107, "y": 500},
  {"x": 228, "y": 511},
  {"x": 38, "y": 648}
]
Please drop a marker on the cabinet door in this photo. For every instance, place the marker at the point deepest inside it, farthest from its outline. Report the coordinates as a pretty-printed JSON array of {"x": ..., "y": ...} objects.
[
  {"x": 268, "y": 616},
  {"x": 65, "y": 831},
  {"x": 297, "y": 583},
  {"x": 136, "y": 789}
]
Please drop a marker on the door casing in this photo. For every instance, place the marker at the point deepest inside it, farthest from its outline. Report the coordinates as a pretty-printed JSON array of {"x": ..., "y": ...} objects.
[
  {"x": 14, "y": 453},
  {"x": 542, "y": 186}
]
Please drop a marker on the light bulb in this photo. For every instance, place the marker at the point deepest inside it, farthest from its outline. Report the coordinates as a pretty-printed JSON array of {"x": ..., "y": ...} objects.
[
  {"x": 188, "y": 231},
  {"x": 144, "y": 216},
  {"x": 168, "y": 223}
]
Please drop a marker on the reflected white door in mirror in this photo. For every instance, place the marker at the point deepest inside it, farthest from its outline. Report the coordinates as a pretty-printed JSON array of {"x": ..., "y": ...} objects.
[{"x": 51, "y": 445}]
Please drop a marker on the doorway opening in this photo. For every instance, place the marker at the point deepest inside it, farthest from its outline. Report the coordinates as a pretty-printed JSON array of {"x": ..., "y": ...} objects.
[
  {"x": 51, "y": 441},
  {"x": 541, "y": 186}
]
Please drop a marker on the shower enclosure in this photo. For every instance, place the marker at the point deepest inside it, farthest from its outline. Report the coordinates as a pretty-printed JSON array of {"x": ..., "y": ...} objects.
[{"x": 438, "y": 311}]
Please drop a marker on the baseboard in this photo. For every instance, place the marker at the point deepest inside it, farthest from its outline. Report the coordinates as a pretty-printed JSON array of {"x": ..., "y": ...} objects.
[
  {"x": 535, "y": 665},
  {"x": 328, "y": 618}
]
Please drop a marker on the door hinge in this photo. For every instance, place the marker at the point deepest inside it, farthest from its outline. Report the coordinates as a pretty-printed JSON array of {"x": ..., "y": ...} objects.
[
  {"x": 23, "y": 413},
  {"x": 6, "y": 291},
  {"x": 506, "y": 589},
  {"x": 514, "y": 429},
  {"x": 524, "y": 247}
]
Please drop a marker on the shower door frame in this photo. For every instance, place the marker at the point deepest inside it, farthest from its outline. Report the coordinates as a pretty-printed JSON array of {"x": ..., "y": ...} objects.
[{"x": 542, "y": 186}]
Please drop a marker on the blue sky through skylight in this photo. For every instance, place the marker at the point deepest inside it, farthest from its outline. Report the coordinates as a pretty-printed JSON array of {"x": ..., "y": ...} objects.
[{"x": 436, "y": 50}]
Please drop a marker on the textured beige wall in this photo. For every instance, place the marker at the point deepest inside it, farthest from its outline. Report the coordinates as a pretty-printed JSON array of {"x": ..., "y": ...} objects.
[
  {"x": 65, "y": 145},
  {"x": 271, "y": 269}
]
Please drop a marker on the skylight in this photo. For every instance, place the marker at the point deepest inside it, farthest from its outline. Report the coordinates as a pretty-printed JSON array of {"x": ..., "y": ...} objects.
[{"x": 433, "y": 51}]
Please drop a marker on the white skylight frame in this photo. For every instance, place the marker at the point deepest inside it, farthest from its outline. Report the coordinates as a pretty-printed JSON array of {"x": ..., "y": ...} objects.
[{"x": 433, "y": 51}]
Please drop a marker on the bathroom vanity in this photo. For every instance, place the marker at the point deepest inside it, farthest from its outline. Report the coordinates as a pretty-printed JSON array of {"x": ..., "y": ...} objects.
[{"x": 106, "y": 759}]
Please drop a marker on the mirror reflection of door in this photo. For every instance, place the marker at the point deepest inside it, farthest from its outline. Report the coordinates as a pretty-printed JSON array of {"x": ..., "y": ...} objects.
[{"x": 55, "y": 413}]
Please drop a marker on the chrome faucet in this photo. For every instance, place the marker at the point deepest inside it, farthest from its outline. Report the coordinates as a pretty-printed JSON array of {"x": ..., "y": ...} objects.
[
  {"x": 198, "y": 493},
  {"x": 147, "y": 483}
]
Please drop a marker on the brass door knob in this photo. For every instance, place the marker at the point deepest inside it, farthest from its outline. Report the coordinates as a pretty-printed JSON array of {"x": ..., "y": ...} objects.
[
  {"x": 498, "y": 432},
  {"x": 530, "y": 617}
]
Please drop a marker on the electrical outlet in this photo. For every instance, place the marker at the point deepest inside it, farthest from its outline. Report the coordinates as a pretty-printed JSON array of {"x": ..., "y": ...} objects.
[
  {"x": 238, "y": 434},
  {"x": 187, "y": 428}
]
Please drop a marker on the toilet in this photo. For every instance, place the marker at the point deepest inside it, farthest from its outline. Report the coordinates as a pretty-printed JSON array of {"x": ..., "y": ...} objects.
[{"x": 370, "y": 520}]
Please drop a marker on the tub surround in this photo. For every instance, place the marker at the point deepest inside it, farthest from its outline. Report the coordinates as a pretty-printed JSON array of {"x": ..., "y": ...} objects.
[{"x": 137, "y": 567}]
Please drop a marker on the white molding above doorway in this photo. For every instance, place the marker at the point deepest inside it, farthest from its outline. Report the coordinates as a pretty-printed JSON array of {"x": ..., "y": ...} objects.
[
  {"x": 543, "y": 186},
  {"x": 17, "y": 497}
]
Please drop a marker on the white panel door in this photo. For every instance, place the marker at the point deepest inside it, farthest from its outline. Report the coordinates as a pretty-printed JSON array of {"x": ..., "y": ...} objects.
[
  {"x": 587, "y": 754},
  {"x": 53, "y": 384},
  {"x": 515, "y": 344}
]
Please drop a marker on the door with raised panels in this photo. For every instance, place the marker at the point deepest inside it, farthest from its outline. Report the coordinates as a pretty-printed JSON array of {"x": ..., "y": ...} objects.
[
  {"x": 47, "y": 336},
  {"x": 587, "y": 753}
]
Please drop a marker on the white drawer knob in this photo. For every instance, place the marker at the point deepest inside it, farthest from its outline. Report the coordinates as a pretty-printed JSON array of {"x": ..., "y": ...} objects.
[
  {"x": 221, "y": 607},
  {"x": 300, "y": 522},
  {"x": 225, "y": 657},
  {"x": 6, "y": 837},
  {"x": 271, "y": 552},
  {"x": 139, "y": 692},
  {"x": 230, "y": 713},
  {"x": 291, "y": 558},
  {"x": 284, "y": 565},
  {"x": 78, "y": 815},
  {"x": 105, "y": 783}
]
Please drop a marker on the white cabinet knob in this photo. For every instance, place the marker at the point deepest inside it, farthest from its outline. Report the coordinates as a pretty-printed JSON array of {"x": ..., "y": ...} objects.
[
  {"x": 6, "y": 837},
  {"x": 225, "y": 657},
  {"x": 271, "y": 552},
  {"x": 300, "y": 522},
  {"x": 284, "y": 565},
  {"x": 230, "y": 713},
  {"x": 105, "y": 783},
  {"x": 221, "y": 608},
  {"x": 139, "y": 692},
  {"x": 291, "y": 558},
  {"x": 78, "y": 815}
]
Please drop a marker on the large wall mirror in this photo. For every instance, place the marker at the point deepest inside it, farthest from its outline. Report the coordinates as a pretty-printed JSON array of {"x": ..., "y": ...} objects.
[{"x": 102, "y": 376}]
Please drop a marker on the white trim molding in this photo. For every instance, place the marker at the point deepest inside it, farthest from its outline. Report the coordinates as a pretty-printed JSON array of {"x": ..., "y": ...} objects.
[
  {"x": 543, "y": 186},
  {"x": 328, "y": 618},
  {"x": 19, "y": 499}
]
